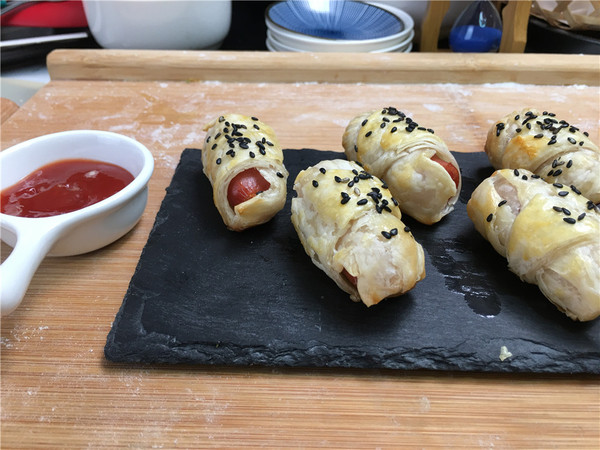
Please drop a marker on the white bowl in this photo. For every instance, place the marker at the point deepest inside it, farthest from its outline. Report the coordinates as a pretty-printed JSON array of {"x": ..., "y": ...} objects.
[
  {"x": 273, "y": 44},
  {"x": 303, "y": 42},
  {"x": 158, "y": 24},
  {"x": 76, "y": 232}
]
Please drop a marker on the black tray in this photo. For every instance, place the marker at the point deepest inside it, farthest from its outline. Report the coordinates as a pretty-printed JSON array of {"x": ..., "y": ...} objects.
[{"x": 204, "y": 295}]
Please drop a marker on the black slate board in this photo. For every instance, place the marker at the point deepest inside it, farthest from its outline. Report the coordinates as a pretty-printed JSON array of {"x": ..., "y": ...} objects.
[{"x": 204, "y": 295}]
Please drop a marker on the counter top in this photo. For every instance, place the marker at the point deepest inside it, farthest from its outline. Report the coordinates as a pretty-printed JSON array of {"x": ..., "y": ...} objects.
[{"x": 58, "y": 390}]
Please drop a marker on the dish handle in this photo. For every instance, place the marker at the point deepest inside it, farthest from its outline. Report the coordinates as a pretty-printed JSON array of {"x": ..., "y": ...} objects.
[{"x": 31, "y": 247}]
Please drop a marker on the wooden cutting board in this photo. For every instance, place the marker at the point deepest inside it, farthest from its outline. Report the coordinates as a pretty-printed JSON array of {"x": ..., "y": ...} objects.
[{"x": 59, "y": 391}]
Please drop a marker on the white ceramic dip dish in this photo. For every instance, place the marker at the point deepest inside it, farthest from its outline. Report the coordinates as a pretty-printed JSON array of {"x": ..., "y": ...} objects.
[{"x": 76, "y": 232}]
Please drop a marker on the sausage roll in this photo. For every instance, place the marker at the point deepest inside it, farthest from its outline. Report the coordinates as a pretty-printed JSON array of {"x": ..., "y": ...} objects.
[
  {"x": 551, "y": 148},
  {"x": 351, "y": 227},
  {"x": 244, "y": 163},
  {"x": 549, "y": 233},
  {"x": 416, "y": 164}
]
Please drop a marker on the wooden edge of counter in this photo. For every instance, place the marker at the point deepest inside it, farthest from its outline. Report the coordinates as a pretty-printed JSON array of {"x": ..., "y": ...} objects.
[{"x": 275, "y": 67}]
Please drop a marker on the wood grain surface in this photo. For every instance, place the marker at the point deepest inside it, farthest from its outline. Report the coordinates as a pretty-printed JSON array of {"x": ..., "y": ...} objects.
[{"x": 57, "y": 389}]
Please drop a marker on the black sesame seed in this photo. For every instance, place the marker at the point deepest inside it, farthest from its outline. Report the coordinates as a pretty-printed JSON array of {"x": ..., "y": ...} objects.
[
  {"x": 539, "y": 136},
  {"x": 524, "y": 177},
  {"x": 382, "y": 125},
  {"x": 345, "y": 199},
  {"x": 279, "y": 174},
  {"x": 322, "y": 170},
  {"x": 550, "y": 173},
  {"x": 557, "y": 208},
  {"x": 569, "y": 220},
  {"x": 407, "y": 229},
  {"x": 386, "y": 234},
  {"x": 489, "y": 218},
  {"x": 569, "y": 164},
  {"x": 218, "y": 161},
  {"x": 571, "y": 140},
  {"x": 252, "y": 155},
  {"x": 586, "y": 134},
  {"x": 208, "y": 139},
  {"x": 430, "y": 130},
  {"x": 362, "y": 201},
  {"x": 221, "y": 119},
  {"x": 256, "y": 127},
  {"x": 369, "y": 133},
  {"x": 262, "y": 151},
  {"x": 558, "y": 185},
  {"x": 557, "y": 172},
  {"x": 516, "y": 172},
  {"x": 394, "y": 129},
  {"x": 337, "y": 179},
  {"x": 566, "y": 211},
  {"x": 581, "y": 143},
  {"x": 574, "y": 189},
  {"x": 315, "y": 183},
  {"x": 528, "y": 126},
  {"x": 563, "y": 193},
  {"x": 518, "y": 130},
  {"x": 590, "y": 204},
  {"x": 499, "y": 127},
  {"x": 355, "y": 148},
  {"x": 214, "y": 146},
  {"x": 254, "y": 118},
  {"x": 270, "y": 144},
  {"x": 394, "y": 231},
  {"x": 364, "y": 122},
  {"x": 581, "y": 216},
  {"x": 503, "y": 202}
]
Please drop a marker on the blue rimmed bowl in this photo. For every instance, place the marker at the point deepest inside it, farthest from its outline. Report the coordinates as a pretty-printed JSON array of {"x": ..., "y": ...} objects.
[{"x": 337, "y": 25}]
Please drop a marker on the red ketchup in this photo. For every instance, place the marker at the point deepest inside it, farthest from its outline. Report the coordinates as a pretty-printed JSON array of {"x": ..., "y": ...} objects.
[{"x": 63, "y": 186}]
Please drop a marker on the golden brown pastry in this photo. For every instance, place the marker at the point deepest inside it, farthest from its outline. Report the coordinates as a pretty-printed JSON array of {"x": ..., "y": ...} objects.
[
  {"x": 416, "y": 164},
  {"x": 351, "y": 227},
  {"x": 244, "y": 163},
  {"x": 549, "y": 233},
  {"x": 549, "y": 147}
]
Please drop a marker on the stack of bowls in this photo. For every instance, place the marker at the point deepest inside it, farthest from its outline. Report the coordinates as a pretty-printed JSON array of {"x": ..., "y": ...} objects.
[{"x": 337, "y": 26}]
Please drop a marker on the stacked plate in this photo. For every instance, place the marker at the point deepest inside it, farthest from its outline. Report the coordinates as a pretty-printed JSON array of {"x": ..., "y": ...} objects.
[{"x": 337, "y": 26}]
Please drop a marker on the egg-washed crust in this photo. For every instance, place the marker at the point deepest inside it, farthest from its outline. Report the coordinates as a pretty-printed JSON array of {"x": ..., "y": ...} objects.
[
  {"x": 395, "y": 148},
  {"x": 550, "y": 147},
  {"x": 235, "y": 143},
  {"x": 348, "y": 220},
  {"x": 549, "y": 233}
]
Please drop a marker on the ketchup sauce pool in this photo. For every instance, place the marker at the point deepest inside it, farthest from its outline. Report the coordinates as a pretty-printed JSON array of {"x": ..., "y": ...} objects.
[{"x": 63, "y": 186}]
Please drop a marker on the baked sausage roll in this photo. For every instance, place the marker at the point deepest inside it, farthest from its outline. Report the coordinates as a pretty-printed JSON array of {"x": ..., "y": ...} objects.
[
  {"x": 351, "y": 227},
  {"x": 416, "y": 164},
  {"x": 549, "y": 233},
  {"x": 549, "y": 147},
  {"x": 244, "y": 163}
]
